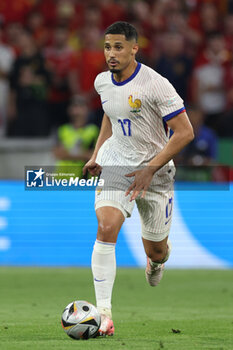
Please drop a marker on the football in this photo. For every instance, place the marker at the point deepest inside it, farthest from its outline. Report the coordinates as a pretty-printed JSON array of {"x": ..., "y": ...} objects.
[{"x": 81, "y": 320}]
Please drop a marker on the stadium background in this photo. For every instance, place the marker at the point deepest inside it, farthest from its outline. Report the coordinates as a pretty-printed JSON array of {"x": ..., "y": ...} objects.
[{"x": 176, "y": 38}]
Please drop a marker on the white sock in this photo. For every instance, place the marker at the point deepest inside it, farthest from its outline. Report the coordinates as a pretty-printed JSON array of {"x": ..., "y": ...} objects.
[{"x": 104, "y": 272}]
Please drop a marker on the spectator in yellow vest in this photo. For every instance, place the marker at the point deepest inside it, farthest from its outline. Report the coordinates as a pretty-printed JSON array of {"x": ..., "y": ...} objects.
[{"x": 76, "y": 140}]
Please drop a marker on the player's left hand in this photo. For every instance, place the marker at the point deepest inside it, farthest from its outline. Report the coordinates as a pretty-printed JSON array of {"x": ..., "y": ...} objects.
[{"x": 142, "y": 180}]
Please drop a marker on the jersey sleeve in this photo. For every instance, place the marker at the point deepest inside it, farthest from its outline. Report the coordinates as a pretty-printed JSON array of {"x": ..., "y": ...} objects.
[
  {"x": 168, "y": 102},
  {"x": 96, "y": 84}
]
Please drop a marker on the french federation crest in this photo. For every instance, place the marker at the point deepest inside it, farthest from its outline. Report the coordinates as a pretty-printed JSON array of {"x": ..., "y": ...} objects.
[{"x": 134, "y": 104}]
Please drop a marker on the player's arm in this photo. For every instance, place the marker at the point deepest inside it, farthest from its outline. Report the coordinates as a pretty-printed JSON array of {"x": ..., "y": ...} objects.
[
  {"x": 105, "y": 133},
  {"x": 182, "y": 135}
]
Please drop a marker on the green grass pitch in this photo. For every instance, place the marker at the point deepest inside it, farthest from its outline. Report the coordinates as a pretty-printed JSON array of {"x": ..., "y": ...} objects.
[{"x": 189, "y": 310}]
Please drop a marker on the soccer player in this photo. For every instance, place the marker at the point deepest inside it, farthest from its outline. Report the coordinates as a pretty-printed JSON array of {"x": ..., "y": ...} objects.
[{"x": 140, "y": 106}]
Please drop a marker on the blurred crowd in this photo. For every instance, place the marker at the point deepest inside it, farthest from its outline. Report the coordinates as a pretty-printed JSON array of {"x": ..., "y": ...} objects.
[{"x": 52, "y": 50}]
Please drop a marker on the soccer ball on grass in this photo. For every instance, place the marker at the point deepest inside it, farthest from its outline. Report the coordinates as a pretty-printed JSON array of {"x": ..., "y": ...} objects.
[{"x": 81, "y": 320}]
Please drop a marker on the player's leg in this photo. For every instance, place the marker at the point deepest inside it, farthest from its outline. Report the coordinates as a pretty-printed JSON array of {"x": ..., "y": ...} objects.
[
  {"x": 156, "y": 211},
  {"x": 112, "y": 207},
  {"x": 110, "y": 220},
  {"x": 157, "y": 254},
  {"x": 156, "y": 251}
]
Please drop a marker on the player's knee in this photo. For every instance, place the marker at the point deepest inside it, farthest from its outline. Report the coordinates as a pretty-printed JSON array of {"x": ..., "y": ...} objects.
[
  {"x": 156, "y": 255},
  {"x": 106, "y": 232}
]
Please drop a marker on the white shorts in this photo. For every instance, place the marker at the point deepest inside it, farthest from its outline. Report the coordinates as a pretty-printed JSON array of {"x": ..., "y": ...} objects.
[{"x": 155, "y": 209}]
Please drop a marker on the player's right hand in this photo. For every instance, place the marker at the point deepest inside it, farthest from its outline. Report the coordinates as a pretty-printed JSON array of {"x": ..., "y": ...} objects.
[{"x": 92, "y": 167}]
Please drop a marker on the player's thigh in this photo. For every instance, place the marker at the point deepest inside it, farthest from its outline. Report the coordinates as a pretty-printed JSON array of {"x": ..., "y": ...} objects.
[
  {"x": 155, "y": 211},
  {"x": 110, "y": 220},
  {"x": 114, "y": 198},
  {"x": 112, "y": 207}
]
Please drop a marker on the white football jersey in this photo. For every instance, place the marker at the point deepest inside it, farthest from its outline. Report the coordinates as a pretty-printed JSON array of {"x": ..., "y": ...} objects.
[{"x": 138, "y": 109}]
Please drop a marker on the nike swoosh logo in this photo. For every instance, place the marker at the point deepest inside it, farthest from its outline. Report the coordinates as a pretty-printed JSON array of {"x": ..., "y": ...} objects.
[
  {"x": 95, "y": 279},
  {"x": 104, "y": 101}
]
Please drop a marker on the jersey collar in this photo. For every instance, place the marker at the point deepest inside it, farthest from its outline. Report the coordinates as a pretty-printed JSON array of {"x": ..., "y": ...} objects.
[{"x": 129, "y": 79}]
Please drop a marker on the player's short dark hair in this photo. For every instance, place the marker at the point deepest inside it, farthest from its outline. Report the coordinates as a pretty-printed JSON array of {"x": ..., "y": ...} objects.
[{"x": 125, "y": 28}]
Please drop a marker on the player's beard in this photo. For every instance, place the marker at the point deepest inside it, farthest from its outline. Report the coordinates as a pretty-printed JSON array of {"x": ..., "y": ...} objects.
[{"x": 115, "y": 71}]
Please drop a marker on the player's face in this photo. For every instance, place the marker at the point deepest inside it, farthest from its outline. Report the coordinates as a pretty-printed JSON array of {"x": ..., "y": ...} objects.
[{"x": 119, "y": 52}]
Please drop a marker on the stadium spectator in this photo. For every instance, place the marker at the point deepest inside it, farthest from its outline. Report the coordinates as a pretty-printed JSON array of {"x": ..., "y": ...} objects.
[
  {"x": 48, "y": 10},
  {"x": 174, "y": 64},
  {"x": 70, "y": 14},
  {"x": 203, "y": 149},
  {"x": 229, "y": 86},
  {"x": 208, "y": 88},
  {"x": 209, "y": 18},
  {"x": 36, "y": 24},
  {"x": 12, "y": 32},
  {"x": 228, "y": 31},
  {"x": 15, "y": 11},
  {"x": 204, "y": 19},
  {"x": 65, "y": 12},
  {"x": 6, "y": 61},
  {"x": 76, "y": 139},
  {"x": 91, "y": 61},
  {"x": 112, "y": 11},
  {"x": 67, "y": 33},
  {"x": 93, "y": 17},
  {"x": 225, "y": 124},
  {"x": 61, "y": 61},
  {"x": 29, "y": 81}
]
